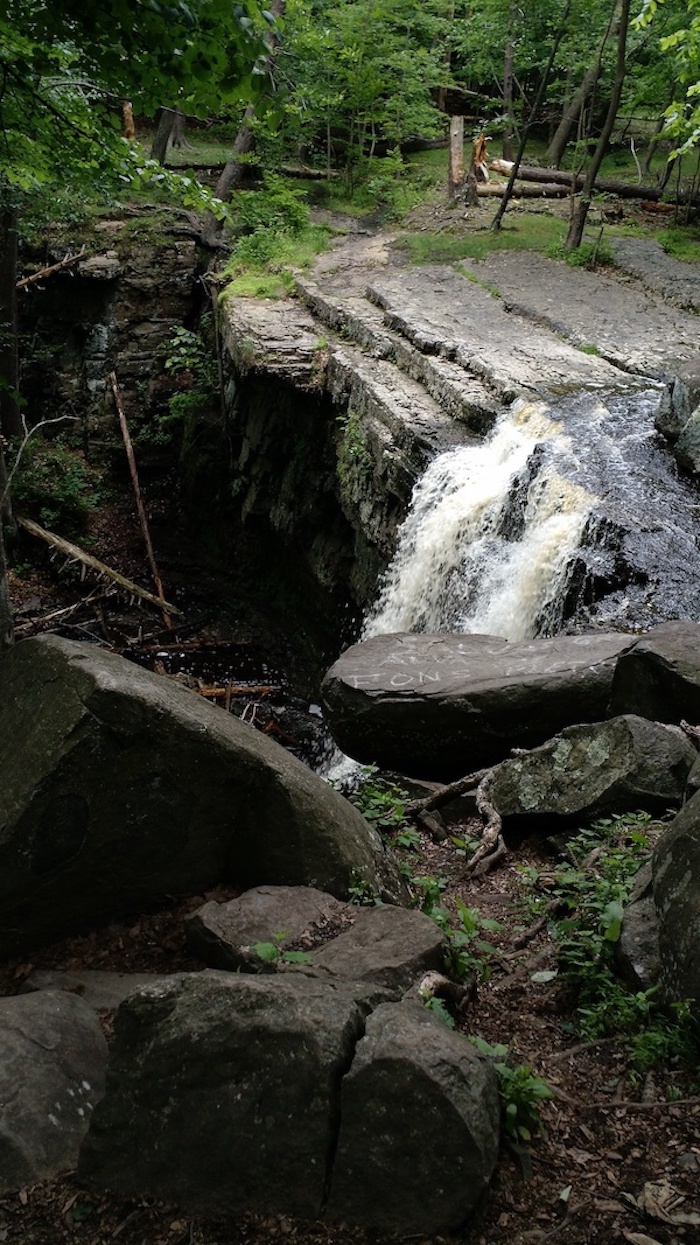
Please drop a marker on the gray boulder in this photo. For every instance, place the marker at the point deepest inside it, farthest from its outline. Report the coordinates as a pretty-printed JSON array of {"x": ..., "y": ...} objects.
[
  {"x": 119, "y": 787},
  {"x": 223, "y": 934},
  {"x": 679, "y": 400},
  {"x": 222, "y": 1091},
  {"x": 598, "y": 768},
  {"x": 687, "y": 448},
  {"x": 659, "y": 676},
  {"x": 637, "y": 949},
  {"x": 676, "y": 882},
  {"x": 53, "y": 1057},
  {"x": 419, "y": 1126},
  {"x": 438, "y": 706},
  {"x": 388, "y": 946}
]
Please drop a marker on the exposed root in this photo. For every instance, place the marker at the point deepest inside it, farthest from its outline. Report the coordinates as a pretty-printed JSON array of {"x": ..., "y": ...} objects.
[
  {"x": 445, "y": 794},
  {"x": 491, "y": 848}
]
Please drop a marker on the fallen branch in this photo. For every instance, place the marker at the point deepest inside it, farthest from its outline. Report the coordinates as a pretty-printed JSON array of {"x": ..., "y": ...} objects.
[
  {"x": 639, "y": 1106},
  {"x": 528, "y": 190},
  {"x": 100, "y": 568},
  {"x": 93, "y": 598},
  {"x": 233, "y": 689},
  {"x": 140, "y": 508},
  {"x": 51, "y": 269},
  {"x": 447, "y": 793}
]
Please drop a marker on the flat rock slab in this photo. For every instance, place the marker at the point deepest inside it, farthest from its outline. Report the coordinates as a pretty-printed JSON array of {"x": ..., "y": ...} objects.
[
  {"x": 100, "y": 990},
  {"x": 419, "y": 1126},
  {"x": 276, "y": 337},
  {"x": 222, "y": 1091},
  {"x": 674, "y": 280},
  {"x": 53, "y": 1057},
  {"x": 591, "y": 309},
  {"x": 659, "y": 676},
  {"x": 120, "y": 787},
  {"x": 223, "y": 934},
  {"x": 593, "y": 770},
  {"x": 389, "y": 946},
  {"x": 437, "y": 706},
  {"x": 441, "y": 312}
]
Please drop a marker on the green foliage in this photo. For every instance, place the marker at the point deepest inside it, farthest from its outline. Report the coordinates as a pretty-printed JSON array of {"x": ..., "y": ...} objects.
[
  {"x": 276, "y": 207},
  {"x": 530, "y": 231},
  {"x": 467, "y": 951},
  {"x": 361, "y": 892},
  {"x": 354, "y": 458},
  {"x": 592, "y": 889},
  {"x": 520, "y": 1090},
  {"x": 587, "y": 255},
  {"x": 439, "y": 1009},
  {"x": 681, "y": 242},
  {"x": 271, "y": 953},
  {"x": 54, "y": 485},
  {"x": 262, "y": 264}
]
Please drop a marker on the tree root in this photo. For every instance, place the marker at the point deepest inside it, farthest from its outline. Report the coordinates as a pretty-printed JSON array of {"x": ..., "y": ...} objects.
[{"x": 491, "y": 848}]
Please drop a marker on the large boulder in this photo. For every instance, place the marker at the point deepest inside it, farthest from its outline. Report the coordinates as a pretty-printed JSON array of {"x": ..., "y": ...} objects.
[
  {"x": 222, "y": 1091},
  {"x": 598, "y": 768},
  {"x": 637, "y": 949},
  {"x": 659, "y": 676},
  {"x": 120, "y": 787},
  {"x": 438, "y": 706},
  {"x": 53, "y": 1057},
  {"x": 419, "y": 1126},
  {"x": 676, "y": 882},
  {"x": 228, "y": 1092}
]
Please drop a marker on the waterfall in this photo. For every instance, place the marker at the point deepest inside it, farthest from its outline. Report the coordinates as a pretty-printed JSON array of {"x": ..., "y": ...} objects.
[{"x": 488, "y": 543}]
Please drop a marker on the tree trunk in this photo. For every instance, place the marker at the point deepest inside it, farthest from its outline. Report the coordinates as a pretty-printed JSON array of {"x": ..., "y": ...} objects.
[
  {"x": 509, "y": 132},
  {"x": 164, "y": 125},
  {"x": 177, "y": 134},
  {"x": 5, "y": 607},
  {"x": 455, "y": 181},
  {"x": 570, "y": 115},
  {"x": 128, "y": 127},
  {"x": 498, "y": 218},
  {"x": 582, "y": 206},
  {"x": 10, "y": 415},
  {"x": 243, "y": 145}
]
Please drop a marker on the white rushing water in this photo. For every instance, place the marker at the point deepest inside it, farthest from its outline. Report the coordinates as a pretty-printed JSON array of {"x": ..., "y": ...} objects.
[{"x": 489, "y": 537}]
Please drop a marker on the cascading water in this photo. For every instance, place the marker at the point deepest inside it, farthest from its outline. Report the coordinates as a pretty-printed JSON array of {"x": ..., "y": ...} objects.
[{"x": 497, "y": 531}]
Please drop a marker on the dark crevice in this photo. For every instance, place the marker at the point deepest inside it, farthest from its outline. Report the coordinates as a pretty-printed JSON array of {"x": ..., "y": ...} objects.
[{"x": 357, "y": 1027}]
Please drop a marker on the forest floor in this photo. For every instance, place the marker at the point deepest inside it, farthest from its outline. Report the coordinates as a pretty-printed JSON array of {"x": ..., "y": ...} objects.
[{"x": 617, "y": 1153}]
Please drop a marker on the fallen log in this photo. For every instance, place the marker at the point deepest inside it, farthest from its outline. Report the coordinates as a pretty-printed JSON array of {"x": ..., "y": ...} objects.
[
  {"x": 50, "y": 269},
  {"x": 529, "y": 190},
  {"x": 76, "y": 554},
  {"x": 604, "y": 185}
]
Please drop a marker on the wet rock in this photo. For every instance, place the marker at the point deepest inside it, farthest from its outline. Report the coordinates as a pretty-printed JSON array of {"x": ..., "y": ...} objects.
[
  {"x": 53, "y": 1057},
  {"x": 388, "y": 946},
  {"x": 637, "y": 950},
  {"x": 687, "y": 448},
  {"x": 222, "y": 1091},
  {"x": 679, "y": 400},
  {"x": 438, "y": 706},
  {"x": 591, "y": 770},
  {"x": 659, "y": 676},
  {"x": 419, "y": 1126},
  {"x": 676, "y": 884},
  {"x": 120, "y": 787},
  {"x": 223, "y": 934}
]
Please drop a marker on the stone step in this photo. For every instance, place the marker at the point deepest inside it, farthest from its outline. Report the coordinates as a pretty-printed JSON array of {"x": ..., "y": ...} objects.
[
  {"x": 463, "y": 397},
  {"x": 441, "y": 313}
]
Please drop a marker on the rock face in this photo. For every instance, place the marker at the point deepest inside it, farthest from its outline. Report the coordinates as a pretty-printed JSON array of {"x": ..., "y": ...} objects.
[
  {"x": 637, "y": 950},
  {"x": 120, "y": 787},
  {"x": 224, "y": 1093},
  {"x": 659, "y": 676},
  {"x": 223, "y": 934},
  {"x": 676, "y": 883},
  {"x": 438, "y": 706},
  {"x": 418, "y": 1134},
  {"x": 594, "y": 769},
  {"x": 53, "y": 1057}
]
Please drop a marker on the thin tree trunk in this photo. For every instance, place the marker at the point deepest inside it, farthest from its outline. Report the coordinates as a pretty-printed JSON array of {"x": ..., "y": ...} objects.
[
  {"x": 498, "y": 218},
  {"x": 455, "y": 181},
  {"x": 6, "y": 634},
  {"x": 10, "y": 416},
  {"x": 574, "y": 109},
  {"x": 164, "y": 125},
  {"x": 509, "y": 132},
  {"x": 582, "y": 205},
  {"x": 243, "y": 144}
]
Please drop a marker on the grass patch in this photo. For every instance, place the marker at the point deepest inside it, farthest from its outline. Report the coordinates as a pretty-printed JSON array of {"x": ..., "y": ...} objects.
[
  {"x": 262, "y": 264},
  {"x": 682, "y": 242},
  {"x": 533, "y": 232}
]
